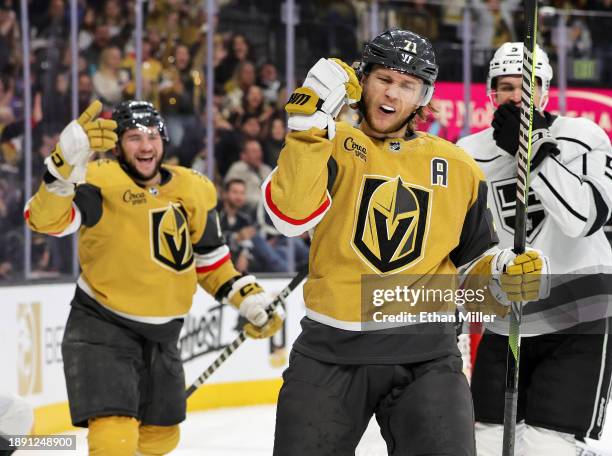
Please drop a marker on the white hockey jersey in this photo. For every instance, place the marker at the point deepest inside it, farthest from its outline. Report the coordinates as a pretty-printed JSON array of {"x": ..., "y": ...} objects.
[{"x": 570, "y": 199}]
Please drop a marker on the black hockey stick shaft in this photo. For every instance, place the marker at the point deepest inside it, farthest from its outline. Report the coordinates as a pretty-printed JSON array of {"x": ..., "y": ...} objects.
[
  {"x": 231, "y": 348},
  {"x": 522, "y": 190}
]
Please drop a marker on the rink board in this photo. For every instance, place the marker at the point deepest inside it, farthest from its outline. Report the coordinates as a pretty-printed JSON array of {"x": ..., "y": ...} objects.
[{"x": 32, "y": 328}]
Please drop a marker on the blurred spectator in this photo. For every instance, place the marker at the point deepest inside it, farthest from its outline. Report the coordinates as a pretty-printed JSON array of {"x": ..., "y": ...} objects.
[
  {"x": 101, "y": 40},
  {"x": 7, "y": 98},
  {"x": 11, "y": 223},
  {"x": 110, "y": 81},
  {"x": 151, "y": 72},
  {"x": 419, "y": 17},
  {"x": 269, "y": 82},
  {"x": 244, "y": 77},
  {"x": 249, "y": 249},
  {"x": 230, "y": 142},
  {"x": 253, "y": 104},
  {"x": 494, "y": 23},
  {"x": 193, "y": 145},
  {"x": 55, "y": 103},
  {"x": 274, "y": 140},
  {"x": 579, "y": 41},
  {"x": 181, "y": 95},
  {"x": 87, "y": 28},
  {"x": 114, "y": 18},
  {"x": 239, "y": 51},
  {"x": 85, "y": 91},
  {"x": 252, "y": 170},
  {"x": 54, "y": 23},
  {"x": 9, "y": 37}
]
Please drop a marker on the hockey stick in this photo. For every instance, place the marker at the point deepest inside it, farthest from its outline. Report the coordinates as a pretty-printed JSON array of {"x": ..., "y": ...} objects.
[
  {"x": 522, "y": 190},
  {"x": 231, "y": 348}
]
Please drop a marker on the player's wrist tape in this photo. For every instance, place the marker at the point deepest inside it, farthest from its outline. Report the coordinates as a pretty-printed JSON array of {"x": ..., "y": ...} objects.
[{"x": 304, "y": 101}]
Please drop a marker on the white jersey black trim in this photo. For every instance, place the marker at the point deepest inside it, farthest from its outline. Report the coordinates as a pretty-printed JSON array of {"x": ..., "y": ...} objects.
[{"x": 560, "y": 198}]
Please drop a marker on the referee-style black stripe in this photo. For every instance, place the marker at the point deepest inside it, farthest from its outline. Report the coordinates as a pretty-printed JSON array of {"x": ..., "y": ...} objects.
[
  {"x": 584, "y": 165},
  {"x": 560, "y": 198},
  {"x": 488, "y": 160},
  {"x": 607, "y": 175},
  {"x": 601, "y": 208},
  {"x": 574, "y": 140}
]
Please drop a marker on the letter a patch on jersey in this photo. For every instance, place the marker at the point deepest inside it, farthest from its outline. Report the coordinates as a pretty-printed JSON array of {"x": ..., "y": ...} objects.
[
  {"x": 391, "y": 223},
  {"x": 170, "y": 241}
]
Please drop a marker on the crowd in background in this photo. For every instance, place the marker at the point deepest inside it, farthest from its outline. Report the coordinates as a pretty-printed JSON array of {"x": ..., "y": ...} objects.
[{"x": 249, "y": 90}]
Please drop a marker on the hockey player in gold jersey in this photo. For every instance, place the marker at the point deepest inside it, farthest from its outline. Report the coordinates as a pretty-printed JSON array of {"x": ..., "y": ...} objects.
[
  {"x": 386, "y": 201},
  {"x": 148, "y": 233}
]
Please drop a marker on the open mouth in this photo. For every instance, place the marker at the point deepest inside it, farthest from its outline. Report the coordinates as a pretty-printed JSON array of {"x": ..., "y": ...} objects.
[
  {"x": 144, "y": 159},
  {"x": 386, "y": 109}
]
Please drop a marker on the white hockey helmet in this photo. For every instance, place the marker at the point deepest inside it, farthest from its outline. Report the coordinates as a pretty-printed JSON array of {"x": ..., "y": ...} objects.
[{"x": 508, "y": 60}]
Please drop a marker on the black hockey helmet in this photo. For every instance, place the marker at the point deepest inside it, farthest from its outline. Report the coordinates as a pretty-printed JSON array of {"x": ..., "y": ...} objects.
[
  {"x": 133, "y": 113},
  {"x": 403, "y": 51}
]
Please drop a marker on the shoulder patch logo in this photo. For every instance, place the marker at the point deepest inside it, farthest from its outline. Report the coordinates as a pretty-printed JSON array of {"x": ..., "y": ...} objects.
[
  {"x": 391, "y": 223},
  {"x": 170, "y": 241}
]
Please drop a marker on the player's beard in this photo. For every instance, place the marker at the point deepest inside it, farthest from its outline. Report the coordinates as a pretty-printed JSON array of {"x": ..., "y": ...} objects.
[
  {"x": 367, "y": 114},
  {"x": 131, "y": 169}
]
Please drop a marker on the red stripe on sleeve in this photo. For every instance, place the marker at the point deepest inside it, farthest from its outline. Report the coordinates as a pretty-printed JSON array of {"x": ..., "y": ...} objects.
[
  {"x": 322, "y": 208},
  {"x": 215, "y": 265}
]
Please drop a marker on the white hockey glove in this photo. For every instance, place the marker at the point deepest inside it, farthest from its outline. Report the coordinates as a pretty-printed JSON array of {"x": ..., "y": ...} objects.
[
  {"x": 251, "y": 301},
  {"x": 329, "y": 84},
  {"x": 68, "y": 161},
  {"x": 516, "y": 278}
]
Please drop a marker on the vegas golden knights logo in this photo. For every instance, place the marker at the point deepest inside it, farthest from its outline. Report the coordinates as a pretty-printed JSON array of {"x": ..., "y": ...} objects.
[
  {"x": 391, "y": 224},
  {"x": 29, "y": 349},
  {"x": 170, "y": 239}
]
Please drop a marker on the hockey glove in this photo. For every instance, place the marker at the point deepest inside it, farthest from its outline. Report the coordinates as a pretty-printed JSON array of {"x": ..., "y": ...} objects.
[
  {"x": 516, "y": 278},
  {"x": 251, "y": 301},
  {"x": 506, "y": 122},
  {"x": 329, "y": 84},
  {"x": 68, "y": 161}
]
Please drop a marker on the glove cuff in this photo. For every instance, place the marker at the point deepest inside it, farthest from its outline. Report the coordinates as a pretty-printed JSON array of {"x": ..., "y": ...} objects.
[
  {"x": 318, "y": 120},
  {"x": 241, "y": 288},
  {"x": 72, "y": 141},
  {"x": 60, "y": 187}
]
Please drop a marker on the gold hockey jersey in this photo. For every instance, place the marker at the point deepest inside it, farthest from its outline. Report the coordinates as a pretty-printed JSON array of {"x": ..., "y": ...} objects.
[
  {"x": 141, "y": 250},
  {"x": 414, "y": 206}
]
